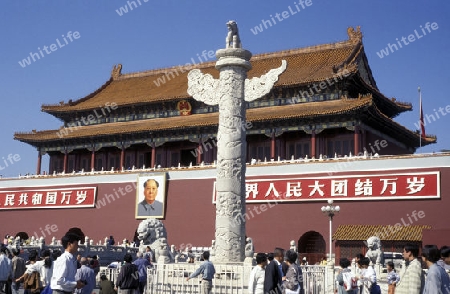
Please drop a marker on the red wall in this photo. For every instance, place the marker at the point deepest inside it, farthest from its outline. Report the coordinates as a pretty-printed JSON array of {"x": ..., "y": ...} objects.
[{"x": 190, "y": 216}]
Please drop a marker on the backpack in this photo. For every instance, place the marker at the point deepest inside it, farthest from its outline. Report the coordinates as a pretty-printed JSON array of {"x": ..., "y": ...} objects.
[
  {"x": 32, "y": 282},
  {"x": 350, "y": 283}
]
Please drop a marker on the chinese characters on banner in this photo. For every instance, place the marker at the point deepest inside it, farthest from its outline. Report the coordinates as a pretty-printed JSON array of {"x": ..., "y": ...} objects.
[
  {"x": 48, "y": 198},
  {"x": 352, "y": 187}
]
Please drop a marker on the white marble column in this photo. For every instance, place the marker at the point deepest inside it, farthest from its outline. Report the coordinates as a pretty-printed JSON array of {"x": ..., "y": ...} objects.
[{"x": 230, "y": 92}]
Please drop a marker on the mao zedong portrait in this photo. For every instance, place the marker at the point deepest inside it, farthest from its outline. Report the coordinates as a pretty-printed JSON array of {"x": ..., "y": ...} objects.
[{"x": 150, "y": 206}]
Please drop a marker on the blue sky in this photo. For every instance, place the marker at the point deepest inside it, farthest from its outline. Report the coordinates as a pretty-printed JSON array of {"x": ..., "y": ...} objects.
[{"x": 165, "y": 33}]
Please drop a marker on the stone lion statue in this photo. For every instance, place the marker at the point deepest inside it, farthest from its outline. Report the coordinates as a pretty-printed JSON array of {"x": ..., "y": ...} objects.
[
  {"x": 249, "y": 248},
  {"x": 233, "y": 40},
  {"x": 374, "y": 253},
  {"x": 151, "y": 232}
]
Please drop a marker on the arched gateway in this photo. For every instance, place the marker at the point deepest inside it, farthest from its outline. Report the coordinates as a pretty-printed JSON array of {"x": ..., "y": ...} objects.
[{"x": 312, "y": 246}]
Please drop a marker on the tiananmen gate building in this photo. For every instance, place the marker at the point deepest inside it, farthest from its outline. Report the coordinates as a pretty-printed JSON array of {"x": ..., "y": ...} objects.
[{"x": 325, "y": 131}]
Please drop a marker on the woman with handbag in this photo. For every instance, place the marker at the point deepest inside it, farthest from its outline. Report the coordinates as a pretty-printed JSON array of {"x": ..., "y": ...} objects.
[{"x": 293, "y": 282}]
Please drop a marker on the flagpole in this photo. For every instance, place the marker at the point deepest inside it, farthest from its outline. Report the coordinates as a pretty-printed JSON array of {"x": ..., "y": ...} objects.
[{"x": 420, "y": 116}]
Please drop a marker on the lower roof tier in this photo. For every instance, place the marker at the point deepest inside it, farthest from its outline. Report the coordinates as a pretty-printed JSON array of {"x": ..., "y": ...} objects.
[{"x": 303, "y": 116}]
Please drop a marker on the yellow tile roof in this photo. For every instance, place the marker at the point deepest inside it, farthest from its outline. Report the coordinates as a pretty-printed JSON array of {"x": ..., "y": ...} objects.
[
  {"x": 384, "y": 232},
  {"x": 300, "y": 110},
  {"x": 305, "y": 66}
]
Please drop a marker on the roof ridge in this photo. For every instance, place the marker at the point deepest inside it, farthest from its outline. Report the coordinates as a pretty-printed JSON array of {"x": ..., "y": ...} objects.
[
  {"x": 48, "y": 107},
  {"x": 151, "y": 72},
  {"x": 259, "y": 56},
  {"x": 312, "y": 48}
]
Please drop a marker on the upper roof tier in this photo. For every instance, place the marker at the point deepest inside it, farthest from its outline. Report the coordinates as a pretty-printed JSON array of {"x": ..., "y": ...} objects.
[{"x": 305, "y": 66}]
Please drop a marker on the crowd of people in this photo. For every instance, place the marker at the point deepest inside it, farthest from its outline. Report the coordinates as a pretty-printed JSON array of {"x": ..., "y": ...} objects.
[
  {"x": 67, "y": 272},
  {"x": 411, "y": 280},
  {"x": 276, "y": 273}
]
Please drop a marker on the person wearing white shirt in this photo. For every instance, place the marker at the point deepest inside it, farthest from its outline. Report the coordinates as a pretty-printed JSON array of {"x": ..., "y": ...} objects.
[
  {"x": 5, "y": 270},
  {"x": 368, "y": 277},
  {"x": 256, "y": 280},
  {"x": 65, "y": 267}
]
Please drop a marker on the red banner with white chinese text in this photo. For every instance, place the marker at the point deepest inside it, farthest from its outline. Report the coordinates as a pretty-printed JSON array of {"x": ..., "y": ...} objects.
[
  {"x": 74, "y": 197},
  {"x": 393, "y": 186}
]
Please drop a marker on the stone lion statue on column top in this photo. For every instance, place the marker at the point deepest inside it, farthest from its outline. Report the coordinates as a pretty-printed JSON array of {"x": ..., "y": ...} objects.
[
  {"x": 233, "y": 40},
  {"x": 374, "y": 253}
]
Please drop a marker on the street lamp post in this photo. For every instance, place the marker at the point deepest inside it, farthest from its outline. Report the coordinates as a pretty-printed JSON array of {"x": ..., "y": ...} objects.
[{"x": 330, "y": 210}]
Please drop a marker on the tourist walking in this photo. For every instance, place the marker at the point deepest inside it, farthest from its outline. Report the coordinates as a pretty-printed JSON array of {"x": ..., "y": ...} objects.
[
  {"x": 65, "y": 267},
  {"x": 18, "y": 269},
  {"x": 142, "y": 265},
  {"x": 127, "y": 281},
  {"x": 412, "y": 279},
  {"x": 207, "y": 271},
  {"x": 106, "y": 286},
  {"x": 87, "y": 275},
  {"x": 5, "y": 271},
  {"x": 368, "y": 278},
  {"x": 256, "y": 279},
  {"x": 46, "y": 268},
  {"x": 437, "y": 280},
  {"x": 31, "y": 278},
  {"x": 274, "y": 273},
  {"x": 149, "y": 254},
  {"x": 358, "y": 269},
  {"x": 445, "y": 258},
  {"x": 293, "y": 283},
  {"x": 95, "y": 264},
  {"x": 392, "y": 278},
  {"x": 344, "y": 279}
]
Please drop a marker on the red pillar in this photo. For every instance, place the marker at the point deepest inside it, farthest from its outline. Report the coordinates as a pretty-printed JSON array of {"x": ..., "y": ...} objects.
[
  {"x": 364, "y": 139},
  {"x": 65, "y": 162},
  {"x": 199, "y": 152},
  {"x": 38, "y": 168},
  {"x": 153, "y": 160},
  {"x": 356, "y": 140},
  {"x": 272, "y": 147},
  {"x": 93, "y": 159},
  {"x": 122, "y": 157},
  {"x": 313, "y": 143}
]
